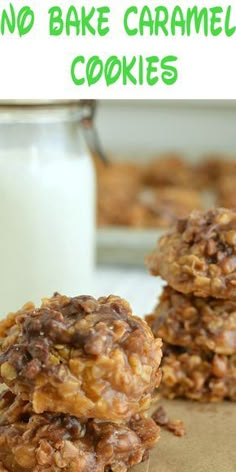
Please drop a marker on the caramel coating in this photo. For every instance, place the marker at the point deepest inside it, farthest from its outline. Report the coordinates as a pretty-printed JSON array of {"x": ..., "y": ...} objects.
[
  {"x": 198, "y": 375},
  {"x": 85, "y": 357},
  {"x": 199, "y": 254},
  {"x": 47, "y": 442},
  {"x": 193, "y": 322}
]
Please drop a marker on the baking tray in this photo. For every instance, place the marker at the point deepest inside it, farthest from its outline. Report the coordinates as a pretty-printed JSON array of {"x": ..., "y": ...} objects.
[
  {"x": 125, "y": 246},
  {"x": 209, "y": 443}
]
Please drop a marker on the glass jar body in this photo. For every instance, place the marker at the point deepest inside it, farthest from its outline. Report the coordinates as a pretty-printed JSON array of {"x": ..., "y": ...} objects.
[{"x": 47, "y": 206}]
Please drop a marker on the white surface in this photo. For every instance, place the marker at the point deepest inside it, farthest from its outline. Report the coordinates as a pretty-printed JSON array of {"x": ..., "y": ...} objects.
[
  {"x": 135, "y": 285},
  {"x": 47, "y": 225}
]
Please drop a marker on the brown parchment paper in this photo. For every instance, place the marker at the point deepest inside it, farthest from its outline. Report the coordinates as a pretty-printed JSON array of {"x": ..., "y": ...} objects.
[
  {"x": 208, "y": 446},
  {"x": 145, "y": 467}
]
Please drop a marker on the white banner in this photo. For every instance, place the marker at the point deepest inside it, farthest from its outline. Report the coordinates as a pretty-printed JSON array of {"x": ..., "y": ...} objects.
[{"x": 117, "y": 49}]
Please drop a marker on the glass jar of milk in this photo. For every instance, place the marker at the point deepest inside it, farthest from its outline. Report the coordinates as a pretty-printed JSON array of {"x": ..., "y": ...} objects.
[{"x": 47, "y": 203}]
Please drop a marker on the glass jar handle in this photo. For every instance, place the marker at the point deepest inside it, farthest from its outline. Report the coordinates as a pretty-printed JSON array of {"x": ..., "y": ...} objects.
[{"x": 91, "y": 134}]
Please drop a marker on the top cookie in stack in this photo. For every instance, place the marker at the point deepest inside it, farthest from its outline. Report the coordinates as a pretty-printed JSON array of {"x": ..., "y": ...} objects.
[{"x": 196, "y": 316}]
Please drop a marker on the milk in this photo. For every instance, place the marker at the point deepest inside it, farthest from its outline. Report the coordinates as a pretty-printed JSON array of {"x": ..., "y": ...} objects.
[{"x": 47, "y": 226}]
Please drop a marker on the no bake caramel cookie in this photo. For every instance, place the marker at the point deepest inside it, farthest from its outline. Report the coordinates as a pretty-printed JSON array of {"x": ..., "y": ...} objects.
[
  {"x": 86, "y": 357},
  {"x": 163, "y": 206},
  {"x": 198, "y": 375},
  {"x": 47, "y": 442},
  {"x": 170, "y": 169},
  {"x": 118, "y": 185},
  {"x": 227, "y": 191},
  {"x": 199, "y": 254},
  {"x": 193, "y": 322}
]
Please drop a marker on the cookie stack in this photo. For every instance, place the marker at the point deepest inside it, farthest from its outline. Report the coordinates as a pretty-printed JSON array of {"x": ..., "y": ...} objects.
[
  {"x": 196, "y": 315},
  {"x": 78, "y": 375}
]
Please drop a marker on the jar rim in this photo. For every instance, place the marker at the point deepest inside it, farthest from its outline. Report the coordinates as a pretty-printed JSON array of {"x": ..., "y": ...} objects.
[
  {"x": 39, "y": 103},
  {"x": 44, "y": 110}
]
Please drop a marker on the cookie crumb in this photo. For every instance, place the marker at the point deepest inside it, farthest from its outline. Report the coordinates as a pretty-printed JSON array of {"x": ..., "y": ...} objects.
[{"x": 174, "y": 426}]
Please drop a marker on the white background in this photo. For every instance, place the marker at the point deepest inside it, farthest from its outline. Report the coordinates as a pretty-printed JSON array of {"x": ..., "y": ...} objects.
[{"x": 38, "y": 66}]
